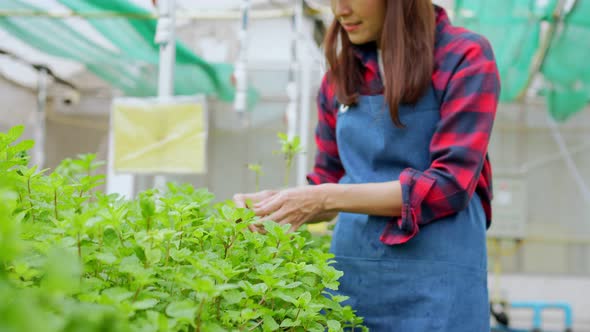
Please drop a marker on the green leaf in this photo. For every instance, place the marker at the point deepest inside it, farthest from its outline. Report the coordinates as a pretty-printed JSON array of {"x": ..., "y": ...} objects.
[
  {"x": 117, "y": 294},
  {"x": 106, "y": 258},
  {"x": 304, "y": 300},
  {"x": 288, "y": 322},
  {"x": 293, "y": 285},
  {"x": 334, "y": 326},
  {"x": 180, "y": 255},
  {"x": 233, "y": 296},
  {"x": 316, "y": 327},
  {"x": 24, "y": 145},
  {"x": 285, "y": 297},
  {"x": 153, "y": 256},
  {"x": 249, "y": 314},
  {"x": 182, "y": 309},
  {"x": 282, "y": 136},
  {"x": 145, "y": 304},
  {"x": 270, "y": 324},
  {"x": 16, "y": 132}
]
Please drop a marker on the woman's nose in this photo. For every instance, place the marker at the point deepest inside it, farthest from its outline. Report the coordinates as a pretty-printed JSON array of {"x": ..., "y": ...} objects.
[{"x": 341, "y": 8}]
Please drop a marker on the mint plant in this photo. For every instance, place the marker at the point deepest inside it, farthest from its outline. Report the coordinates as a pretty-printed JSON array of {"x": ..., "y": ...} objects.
[
  {"x": 257, "y": 169},
  {"x": 289, "y": 149},
  {"x": 75, "y": 259}
]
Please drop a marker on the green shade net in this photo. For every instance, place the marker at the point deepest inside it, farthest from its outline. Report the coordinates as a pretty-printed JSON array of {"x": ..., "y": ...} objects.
[
  {"x": 133, "y": 66},
  {"x": 514, "y": 29}
]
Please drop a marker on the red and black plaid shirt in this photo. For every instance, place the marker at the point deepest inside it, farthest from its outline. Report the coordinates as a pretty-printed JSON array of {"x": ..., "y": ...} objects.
[{"x": 467, "y": 85}]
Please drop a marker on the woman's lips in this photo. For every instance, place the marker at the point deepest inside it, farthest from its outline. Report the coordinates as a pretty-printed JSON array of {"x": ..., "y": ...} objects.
[{"x": 351, "y": 27}]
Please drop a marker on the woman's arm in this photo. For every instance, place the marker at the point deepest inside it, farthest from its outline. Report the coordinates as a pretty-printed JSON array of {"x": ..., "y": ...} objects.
[
  {"x": 470, "y": 84},
  {"x": 298, "y": 206},
  {"x": 378, "y": 199}
]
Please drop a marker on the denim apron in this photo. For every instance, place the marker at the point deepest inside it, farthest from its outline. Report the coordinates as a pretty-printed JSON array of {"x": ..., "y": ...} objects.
[{"x": 437, "y": 281}]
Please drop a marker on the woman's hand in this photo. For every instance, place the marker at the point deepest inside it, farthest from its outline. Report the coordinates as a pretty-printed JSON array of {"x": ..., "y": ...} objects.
[
  {"x": 245, "y": 201},
  {"x": 295, "y": 206}
]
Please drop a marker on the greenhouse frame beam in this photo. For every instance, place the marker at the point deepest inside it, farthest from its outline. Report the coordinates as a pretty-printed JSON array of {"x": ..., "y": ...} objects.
[{"x": 181, "y": 14}]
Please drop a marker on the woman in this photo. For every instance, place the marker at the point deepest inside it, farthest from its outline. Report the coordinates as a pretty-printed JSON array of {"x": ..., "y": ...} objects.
[{"x": 405, "y": 116}]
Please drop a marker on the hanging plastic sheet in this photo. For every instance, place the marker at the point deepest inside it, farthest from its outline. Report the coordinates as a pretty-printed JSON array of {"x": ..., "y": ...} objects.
[{"x": 159, "y": 136}]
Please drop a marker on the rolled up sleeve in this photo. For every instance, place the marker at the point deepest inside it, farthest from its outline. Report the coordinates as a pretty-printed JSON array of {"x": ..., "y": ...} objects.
[{"x": 458, "y": 147}]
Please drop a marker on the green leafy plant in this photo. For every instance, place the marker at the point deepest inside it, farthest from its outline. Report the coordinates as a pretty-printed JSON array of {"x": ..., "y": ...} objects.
[
  {"x": 75, "y": 259},
  {"x": 257, "y": 169},
  {"x": 289, "y": 149}
]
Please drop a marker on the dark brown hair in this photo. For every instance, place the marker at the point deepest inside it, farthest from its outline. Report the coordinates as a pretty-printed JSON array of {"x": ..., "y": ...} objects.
[{"x": 407, "y": 46}]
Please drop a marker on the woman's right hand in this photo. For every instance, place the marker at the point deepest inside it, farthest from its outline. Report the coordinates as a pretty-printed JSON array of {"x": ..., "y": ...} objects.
[{"x": 244, "y": 200}]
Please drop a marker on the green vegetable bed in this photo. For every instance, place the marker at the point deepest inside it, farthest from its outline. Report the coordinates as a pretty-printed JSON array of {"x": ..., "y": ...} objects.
[{"x": 75, "y": 259}]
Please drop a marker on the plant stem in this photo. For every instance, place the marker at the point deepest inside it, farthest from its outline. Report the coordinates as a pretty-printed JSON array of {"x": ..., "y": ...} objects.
[
  {"x": 198, "y": 322},
  {"x": 30, "y": 198},
  {"x": 100, "y": 238},
  {"x": 287, "y": 171},
  {"x": 257, "y": 325},
  {"x": 257, "y": 182},
  {"x": 180, "y": 242},
  {"x": 55, "y": 203},
  {"x": 278, "y": 245},
  {"x": 120, "y": 236},
  {"x": 218, "y": 308},
  {"x": 167, "y": 253},
  {"x": 149, "y": 219},
  {"x": 137, "y": 293},
  {"x": 263, "y": 299},
  {"x": 228, "y": 246},
  {"x": 79, "y": 248}
]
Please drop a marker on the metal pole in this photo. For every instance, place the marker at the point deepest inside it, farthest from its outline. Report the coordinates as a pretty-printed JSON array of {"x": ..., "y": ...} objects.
[
  {"x": 39, "y": 132},
  {"x": 165, "y": 36}
]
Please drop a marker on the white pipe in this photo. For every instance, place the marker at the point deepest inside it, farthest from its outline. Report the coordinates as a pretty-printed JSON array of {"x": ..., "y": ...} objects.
[
  {"x": 122, "y": 184},
  {"x": 542, "y": 161},
  {"x": 569, "y": 161},
  {"x": 38, "y": 157},
  {"x": 240, "y": 72},
  {"x": 165, "y": 36},
  {"x": 304, "y": 124},
  {"x": 294, "y": 86}
]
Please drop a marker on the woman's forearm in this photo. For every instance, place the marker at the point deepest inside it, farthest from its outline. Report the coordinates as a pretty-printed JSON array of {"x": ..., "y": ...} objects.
[{"x": 379, "y": 199}]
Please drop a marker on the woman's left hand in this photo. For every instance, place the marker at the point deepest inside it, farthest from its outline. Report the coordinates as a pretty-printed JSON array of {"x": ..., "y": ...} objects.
[{"x": 295, "y": 206}]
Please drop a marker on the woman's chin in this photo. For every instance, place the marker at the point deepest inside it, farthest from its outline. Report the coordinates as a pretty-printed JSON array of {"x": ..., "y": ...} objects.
[{"x": 357, "y": 39}]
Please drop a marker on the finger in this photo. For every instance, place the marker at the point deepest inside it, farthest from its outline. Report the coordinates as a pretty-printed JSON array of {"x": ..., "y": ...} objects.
[
  {"x": 294, "y": 228},
  {"x": 239, "y": 200},
  {"x": 277, "y": 217},
  {"x": 258, "y": 228},
  {"x": 255, "y": 198},
  {"x": 261, "y": 195},
  {"x": 266, "y": 199},
  {"x": 272, "y": 206},
  {"x": 263, "y": 202}
]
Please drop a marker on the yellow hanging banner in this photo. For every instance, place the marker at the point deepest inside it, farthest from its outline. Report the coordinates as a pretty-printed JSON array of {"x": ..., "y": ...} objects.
[{"x": 159, "y": 136}]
